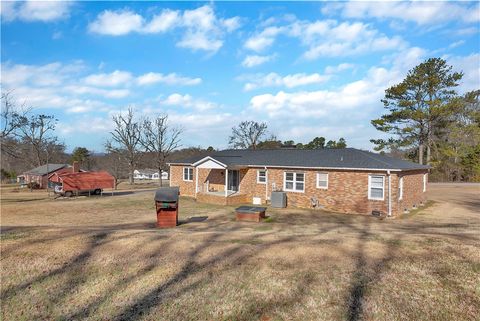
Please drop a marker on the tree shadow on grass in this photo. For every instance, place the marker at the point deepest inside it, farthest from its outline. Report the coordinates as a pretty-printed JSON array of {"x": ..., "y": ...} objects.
[{"x": 367, "y": 271}]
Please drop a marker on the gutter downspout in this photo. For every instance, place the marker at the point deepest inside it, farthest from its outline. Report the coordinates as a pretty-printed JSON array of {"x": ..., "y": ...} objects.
[
  {"x": 266, "y": 184},
  {"x": 389, "y": 193},
  {"x": 226, "y": 182},
  {"x": 196, "y": 181}
]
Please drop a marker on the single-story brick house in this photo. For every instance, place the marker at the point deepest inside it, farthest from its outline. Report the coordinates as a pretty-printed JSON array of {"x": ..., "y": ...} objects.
[
  {"x": 342, "y": 180},
  {"x": 40, "y": 174}
]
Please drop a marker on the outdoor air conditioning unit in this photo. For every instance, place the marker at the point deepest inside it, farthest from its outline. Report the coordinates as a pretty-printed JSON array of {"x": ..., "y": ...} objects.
[{"x": 279, "y": 199}]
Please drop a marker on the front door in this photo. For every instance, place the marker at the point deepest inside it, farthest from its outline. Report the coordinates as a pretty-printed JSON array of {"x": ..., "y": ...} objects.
[{"x": 233, "y": 180}]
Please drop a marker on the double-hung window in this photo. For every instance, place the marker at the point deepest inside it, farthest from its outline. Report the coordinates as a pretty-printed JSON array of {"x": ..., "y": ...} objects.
[
  {"x": 261, "y": 176},
  {"x": 376, "y": 187},
  {"x": 400, "y": 189},
  {"x": 322, "y": 180},
  {"x": 294, "y": 182},
  {"x": 188, "y": 174}
]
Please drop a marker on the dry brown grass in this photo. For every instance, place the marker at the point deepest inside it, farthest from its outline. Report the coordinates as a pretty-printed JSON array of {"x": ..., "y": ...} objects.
[{"x": 102, "y": 259}]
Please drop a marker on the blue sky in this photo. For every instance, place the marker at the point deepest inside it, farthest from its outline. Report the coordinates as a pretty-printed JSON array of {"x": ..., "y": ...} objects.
[{"x": 306, "y": 68}]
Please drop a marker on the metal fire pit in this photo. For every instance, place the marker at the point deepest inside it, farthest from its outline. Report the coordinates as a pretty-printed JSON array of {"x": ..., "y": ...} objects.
[{"x": 166, "y": 205}]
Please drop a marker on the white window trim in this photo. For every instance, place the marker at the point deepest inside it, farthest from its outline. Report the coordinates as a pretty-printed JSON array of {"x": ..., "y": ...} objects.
[
  {"x": 258, "y": 176},
  {"x": 369, "y": 188},
  {"x": 425, "y": 182},
  {"x": 294, "y": 182},
  {"x": 183, "y": 174},
  {"x": 322, "y": 187},
  {"x": 400, "y": 188}
]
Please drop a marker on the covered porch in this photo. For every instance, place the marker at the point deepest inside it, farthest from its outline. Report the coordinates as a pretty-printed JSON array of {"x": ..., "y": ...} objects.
[{"x": 218, "y": 183}]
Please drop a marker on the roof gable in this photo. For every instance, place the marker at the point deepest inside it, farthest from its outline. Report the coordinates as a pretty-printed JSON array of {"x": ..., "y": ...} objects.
[{"x": 209, "y": 162}]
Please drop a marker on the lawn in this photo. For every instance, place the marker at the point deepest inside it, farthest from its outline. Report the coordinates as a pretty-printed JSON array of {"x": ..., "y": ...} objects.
[{"x": 100, "y": 258}]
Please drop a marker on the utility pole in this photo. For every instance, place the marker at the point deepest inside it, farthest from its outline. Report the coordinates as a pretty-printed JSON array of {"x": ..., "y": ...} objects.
[{"x": 48, "y": 183}]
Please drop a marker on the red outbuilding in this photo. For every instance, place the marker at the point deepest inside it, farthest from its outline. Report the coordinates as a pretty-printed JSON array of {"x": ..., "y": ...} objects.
[{"x": 75, "y": 182}]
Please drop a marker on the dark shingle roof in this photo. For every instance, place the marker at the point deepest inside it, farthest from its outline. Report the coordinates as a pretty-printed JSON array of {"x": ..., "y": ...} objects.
[
  {"x": 319, "y": 158},
  {"x": 42, "y": 170}
]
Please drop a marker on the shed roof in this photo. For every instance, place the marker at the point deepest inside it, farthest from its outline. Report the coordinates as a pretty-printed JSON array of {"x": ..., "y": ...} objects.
[
  {"x": 46, "y": 169},
  {"x": 345, "y": 158},
  {"x": 84, "y": 180}
]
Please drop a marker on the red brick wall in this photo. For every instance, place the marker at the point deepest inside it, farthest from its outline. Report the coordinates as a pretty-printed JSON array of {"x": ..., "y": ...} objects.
[
  {"x": 347, "y": 190},
  {"x": 413, "y": 194},
  {"x": 176, "y": 179},
  {"x": 215, "y": 178}
]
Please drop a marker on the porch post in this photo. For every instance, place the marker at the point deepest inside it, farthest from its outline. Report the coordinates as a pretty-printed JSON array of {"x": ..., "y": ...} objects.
[
  {"x": 196, "y": 181},
  {"x": 226, "y": 182}
]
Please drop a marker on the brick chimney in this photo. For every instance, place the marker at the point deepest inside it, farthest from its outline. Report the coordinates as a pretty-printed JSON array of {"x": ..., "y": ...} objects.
[{"x": 76, "y": 167}]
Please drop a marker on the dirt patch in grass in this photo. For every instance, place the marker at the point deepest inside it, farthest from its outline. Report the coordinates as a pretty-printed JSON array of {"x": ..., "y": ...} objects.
[{"x": 102, "y": 259}]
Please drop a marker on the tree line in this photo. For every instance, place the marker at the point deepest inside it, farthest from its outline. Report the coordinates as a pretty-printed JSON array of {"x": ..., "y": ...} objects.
[
  {"x": 254, "y": 135},
  {"x": 430, "y": 123},
  {"x": 425, "y": 119}
]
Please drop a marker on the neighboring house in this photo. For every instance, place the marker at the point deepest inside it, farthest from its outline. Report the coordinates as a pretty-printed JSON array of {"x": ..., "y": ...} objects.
[
  {"x": 148, "y": 174},
  {"x": 41, "y": 173},
  {"x": 342, "y": 180}
]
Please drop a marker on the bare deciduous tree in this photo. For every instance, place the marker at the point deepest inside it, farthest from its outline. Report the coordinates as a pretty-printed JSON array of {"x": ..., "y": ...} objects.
[
  {"x": 160, "y": 139},
  {"x": 36, "y": 132},
  {"x": 247, "y": 134},
  {"x": 114, "y": 163},
  {"x": 11, "y": 118},
  {"x": 126, "y": 138}
]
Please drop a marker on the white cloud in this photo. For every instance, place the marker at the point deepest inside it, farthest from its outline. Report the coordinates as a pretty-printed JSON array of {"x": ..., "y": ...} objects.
[
  {"x": 204, "y": 128},
  {"x": 231, "y": 24},
  {"x": 327, "y": 38},
  {"x": 45, "y": 75},
  {"x": 420, "y": 12},
  {"x": 289, "y": 81},
  {"x": 467, "y": 31},
  {"x": 264, "y": 39},
  {"x": 85, "y": 125},
  {"x": 116, "y": 23},
  {"x": 114, "y": 79},
  {"x": 67, "y": 86},
  {"x": 165, "y": 21},
  {"x": 339, "y": 68},
  {"x": 30, "y": 11},
  {"x": 355, "y": 96},
  {"x": 456, "y": 44},
  {"x": 204, "y": 31},
  {"x": 347, "y": 39},
  {"x": 170, "y": 79},
  {"x": 189, "y": 102},
  {"x": 292, "y": 114},
  {"x": 201, "y": 28},
  {"x": 470, "y": 65},
  {"x": 255, "y": 60},
  {"x": 199, "y": 41},
  {"x": 107, "y": 93}
]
